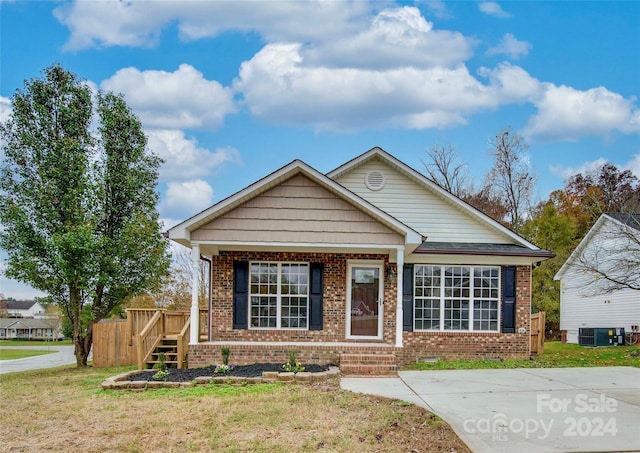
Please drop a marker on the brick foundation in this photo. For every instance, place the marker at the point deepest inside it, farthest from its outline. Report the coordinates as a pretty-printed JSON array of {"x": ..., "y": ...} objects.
[{"x": 326, "y": 345}]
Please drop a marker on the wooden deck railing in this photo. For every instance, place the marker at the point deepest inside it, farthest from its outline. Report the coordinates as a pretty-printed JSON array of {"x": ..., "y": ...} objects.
[
  {"x": 149, "y": 338},
  {"x": 183, "y": 343},
  {"x": 150, "y": 326}
]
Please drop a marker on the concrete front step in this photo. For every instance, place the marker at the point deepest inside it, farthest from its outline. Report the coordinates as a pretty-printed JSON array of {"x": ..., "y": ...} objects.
[{"x": 368, "y": 364}]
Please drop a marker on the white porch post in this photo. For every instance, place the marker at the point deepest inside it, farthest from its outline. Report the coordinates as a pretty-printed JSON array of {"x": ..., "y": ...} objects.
[
  {"x": 399, "y": 280},
  {"x": 195, "y": 291}
]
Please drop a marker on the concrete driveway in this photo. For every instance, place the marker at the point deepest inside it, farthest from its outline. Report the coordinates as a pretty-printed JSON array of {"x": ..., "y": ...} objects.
[
  {"x": 62, "y": 356},
  {"x": 526, "y": 410}
]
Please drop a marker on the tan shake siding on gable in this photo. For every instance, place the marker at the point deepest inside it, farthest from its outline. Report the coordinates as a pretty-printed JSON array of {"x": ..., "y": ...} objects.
[
  {"x": 298, "y": 211},
  {"x": 415, "y": 206}
]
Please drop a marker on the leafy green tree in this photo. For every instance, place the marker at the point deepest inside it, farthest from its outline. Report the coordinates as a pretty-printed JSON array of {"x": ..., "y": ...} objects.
[{"x": 79, "y": 211}]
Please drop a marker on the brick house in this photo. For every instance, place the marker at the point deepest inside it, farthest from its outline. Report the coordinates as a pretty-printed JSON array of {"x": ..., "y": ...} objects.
[{"x": 367, "y": 265}]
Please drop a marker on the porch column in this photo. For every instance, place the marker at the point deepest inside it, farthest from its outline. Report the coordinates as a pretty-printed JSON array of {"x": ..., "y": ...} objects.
[
  {"x": 195, "y": 290},
  {"x": 399, "y": 280}
]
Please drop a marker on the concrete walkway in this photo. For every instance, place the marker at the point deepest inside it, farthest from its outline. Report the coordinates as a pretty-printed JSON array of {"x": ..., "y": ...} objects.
[
  {"x": 525, "y": 410},
  {"x": 63, "y": 356}
]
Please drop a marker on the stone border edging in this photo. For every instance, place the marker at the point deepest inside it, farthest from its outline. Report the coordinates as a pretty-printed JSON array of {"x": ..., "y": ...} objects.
[{"x": 122, "y": 382}]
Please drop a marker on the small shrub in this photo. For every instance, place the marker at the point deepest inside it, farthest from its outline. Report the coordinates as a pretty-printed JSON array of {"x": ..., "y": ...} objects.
[
  {"x": 226, "y": 352},
  {"x": 161, "y": 365},
  {"x": 293, "y": 366}
]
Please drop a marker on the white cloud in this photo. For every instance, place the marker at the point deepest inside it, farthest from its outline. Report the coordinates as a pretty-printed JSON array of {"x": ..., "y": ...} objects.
[
  {"x": 438, "y": 8},
  {"x": 509, "y": 45},
  {"x": 633, "y": 165},
  {"x": 184, "y": 199},
  {"x": 104, "y": 24},
  {"x": 591, "y": 166},
  {"x": 585, "y": 167},
  {"x": 512, "y": 83},
  {"x": 567, "y": 114},
  {"x": 396, "y": 37},
  {"x": 277, "y": 87},
  {"x": 493, "y": 9},
  {"x": 5, "y": 109},
  {"x": 179, "y": 99},
  {"x": 184, "y": 159}
]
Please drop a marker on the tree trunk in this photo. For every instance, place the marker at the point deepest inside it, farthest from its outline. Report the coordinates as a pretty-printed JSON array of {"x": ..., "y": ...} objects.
[{"x": 80, "y": 349}]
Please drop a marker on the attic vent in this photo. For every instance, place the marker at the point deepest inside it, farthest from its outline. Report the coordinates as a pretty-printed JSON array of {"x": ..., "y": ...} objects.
[{"x": 374, "y": 180}]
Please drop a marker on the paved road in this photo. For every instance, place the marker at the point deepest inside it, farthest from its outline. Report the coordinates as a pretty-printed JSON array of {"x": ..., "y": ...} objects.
[
  {"x": 63, "y": 356},
  {"x": 526, "y": 410}
]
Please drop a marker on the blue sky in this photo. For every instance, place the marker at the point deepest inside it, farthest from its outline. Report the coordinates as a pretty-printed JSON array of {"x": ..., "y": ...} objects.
[{"x": 230, "y": 91}]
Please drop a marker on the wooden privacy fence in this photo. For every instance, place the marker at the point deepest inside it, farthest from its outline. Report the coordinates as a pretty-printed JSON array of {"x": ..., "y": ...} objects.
[
  {"x": 537, "y": 333},
  {"x": 112, "y": 344}
]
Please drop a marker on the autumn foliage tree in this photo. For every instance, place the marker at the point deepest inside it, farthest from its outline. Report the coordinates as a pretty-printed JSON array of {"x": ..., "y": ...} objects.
[{"x": 78, "y": 206}]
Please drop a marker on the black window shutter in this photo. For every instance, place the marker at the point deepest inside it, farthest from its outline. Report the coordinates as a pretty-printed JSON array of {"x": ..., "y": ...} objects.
[
  {"x": 315, "y": 296},
  {"x": 240, "y": 294},
  {"x": 508, "y": 299},
  {"x": 407, "y": 297}
]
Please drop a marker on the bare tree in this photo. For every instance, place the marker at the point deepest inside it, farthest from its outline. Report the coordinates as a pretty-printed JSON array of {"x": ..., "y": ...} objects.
[
  {"x": 512, "y": 177},
  {"x": 446, "y": 170},
  {"x": 610, "y": 261}
]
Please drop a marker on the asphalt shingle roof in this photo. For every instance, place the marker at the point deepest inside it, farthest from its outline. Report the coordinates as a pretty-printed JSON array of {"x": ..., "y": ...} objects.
[
  {"x": 631, "y": 219},
  {"x": 473, "y": 248}
]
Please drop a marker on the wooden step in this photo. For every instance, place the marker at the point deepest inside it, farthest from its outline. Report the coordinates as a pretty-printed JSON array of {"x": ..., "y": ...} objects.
[{"x": 368, "y": 365}]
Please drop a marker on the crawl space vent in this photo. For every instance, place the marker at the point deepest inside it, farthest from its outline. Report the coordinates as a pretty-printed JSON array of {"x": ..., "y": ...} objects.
[{"x": 374, "y": 180}]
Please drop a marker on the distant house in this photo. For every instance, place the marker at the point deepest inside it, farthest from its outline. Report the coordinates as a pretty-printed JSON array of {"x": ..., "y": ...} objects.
[
  {"x": 29, "y": 329},
  {"x": 587, "y": 300},
  {"x": 372, "y": 258},
  {"x": 24, "y": 309}
]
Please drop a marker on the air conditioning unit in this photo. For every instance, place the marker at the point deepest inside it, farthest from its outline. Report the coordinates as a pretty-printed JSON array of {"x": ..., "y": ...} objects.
[{"x": 601, "y": 336}]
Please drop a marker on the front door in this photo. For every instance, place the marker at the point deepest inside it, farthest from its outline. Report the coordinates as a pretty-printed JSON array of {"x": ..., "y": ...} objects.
[{"x": 364, "y": 301}]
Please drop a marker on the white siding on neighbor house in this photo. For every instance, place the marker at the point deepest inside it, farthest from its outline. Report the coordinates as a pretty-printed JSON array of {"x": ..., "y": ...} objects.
[
  {"x": 583, "y": 303},
  {"x": 297, "y": 211},
  {"x": 419, "y": 208},
  {"x": 619, "y": 309}
]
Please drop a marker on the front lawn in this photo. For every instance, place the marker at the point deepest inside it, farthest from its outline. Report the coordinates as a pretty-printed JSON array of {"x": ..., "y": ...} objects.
[
  {"x": 64, "y": 409},
  {"x": 35, "y": 343},
  {"x": 556, "y": 355},
  {"x": 11, "y": 354}
]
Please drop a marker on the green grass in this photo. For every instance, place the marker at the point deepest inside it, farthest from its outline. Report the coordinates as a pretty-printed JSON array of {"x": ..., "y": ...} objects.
[
  {"x": 35, "y": 343},
  {"x": 556, "y": 355},
  {"x": 11, "y": 354}
]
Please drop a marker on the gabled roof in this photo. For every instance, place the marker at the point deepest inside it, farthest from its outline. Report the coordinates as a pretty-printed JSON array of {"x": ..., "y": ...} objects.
[
  {"x": 415, "y": 175},
  {"x": 181, "y": 232},
  {"x": 631, "y": 220},
  {"x": 628, "y": 220},
  {"x": 20, "y": 304},
  {"x": 29, "y": 323}
]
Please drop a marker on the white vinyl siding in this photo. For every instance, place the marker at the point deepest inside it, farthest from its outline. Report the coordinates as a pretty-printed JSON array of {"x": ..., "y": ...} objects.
[
  {"x": 419, "y": 208},
  {"x": 582, "y": 305}
]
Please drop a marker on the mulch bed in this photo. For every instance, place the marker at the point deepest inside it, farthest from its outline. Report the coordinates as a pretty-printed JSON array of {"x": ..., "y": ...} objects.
[{"x": 189, "y": 374}]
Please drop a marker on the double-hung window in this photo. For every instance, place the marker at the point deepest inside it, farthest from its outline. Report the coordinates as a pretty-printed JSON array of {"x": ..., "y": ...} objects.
[
  {"x": 462, "y": 298},
  {"x": 279, "y": 295}
]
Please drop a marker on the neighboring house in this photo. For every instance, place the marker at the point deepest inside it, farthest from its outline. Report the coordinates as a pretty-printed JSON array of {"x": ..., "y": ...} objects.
[
  {"x": 29, "y": 329},
  {"x": 24, "y": 309},
  {"x": 589, "y": 300},
  {"x": 372, "y": 258}
]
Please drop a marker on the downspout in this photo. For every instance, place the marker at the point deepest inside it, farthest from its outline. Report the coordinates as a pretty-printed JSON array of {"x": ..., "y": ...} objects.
[
  {"x": 209, "y": 295},
  {"x": 399, "y": 308},
  {"x": 195, "y": 292}
]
